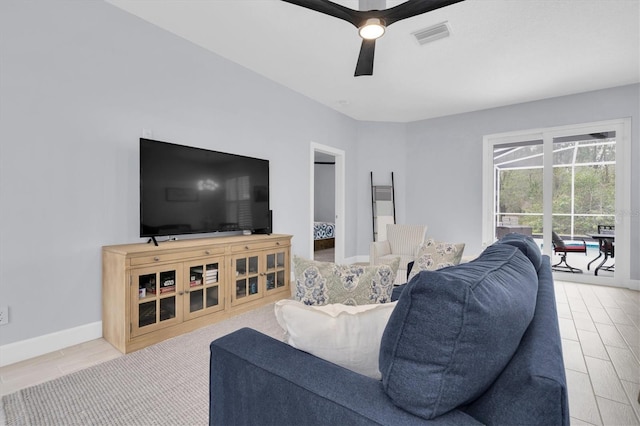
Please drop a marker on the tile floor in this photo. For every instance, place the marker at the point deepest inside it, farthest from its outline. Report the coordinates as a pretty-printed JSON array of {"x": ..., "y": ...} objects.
[
  {"x": 55, "y": 364},
  {"x": 600, "y": 328}
]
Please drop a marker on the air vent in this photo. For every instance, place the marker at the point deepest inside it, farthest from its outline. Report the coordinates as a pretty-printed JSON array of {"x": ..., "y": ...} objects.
[{"x": 433, "y": 33}]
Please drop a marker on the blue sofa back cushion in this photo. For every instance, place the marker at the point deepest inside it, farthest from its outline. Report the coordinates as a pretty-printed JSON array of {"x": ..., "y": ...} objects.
[
  {"x": 455, "y": 329},
  {"x": 526, "y": 245},
  {"x": 535, "y": 376}
]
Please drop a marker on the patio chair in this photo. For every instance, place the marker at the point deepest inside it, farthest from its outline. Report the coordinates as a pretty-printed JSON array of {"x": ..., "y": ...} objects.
[{"x": 561, "y": 248}]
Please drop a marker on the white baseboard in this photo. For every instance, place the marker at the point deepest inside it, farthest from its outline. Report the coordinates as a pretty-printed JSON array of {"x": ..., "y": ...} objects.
[
  {"x": 357, "y": 259},
  {"x": 30, "y": 348}
]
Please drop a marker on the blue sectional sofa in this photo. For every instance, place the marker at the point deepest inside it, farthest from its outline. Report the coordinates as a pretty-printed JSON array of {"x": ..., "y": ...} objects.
[{"x": 476, "y": 343}]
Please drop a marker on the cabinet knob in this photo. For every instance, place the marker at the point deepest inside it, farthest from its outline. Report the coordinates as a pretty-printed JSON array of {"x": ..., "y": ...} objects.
[
  {"x": 181, "y": 293},
  {"x": 246, "y": 247},
  {"x": 207, "y": 252},
  {"x": 278, "y": 243},
  {"x": 156, "y": 258}
]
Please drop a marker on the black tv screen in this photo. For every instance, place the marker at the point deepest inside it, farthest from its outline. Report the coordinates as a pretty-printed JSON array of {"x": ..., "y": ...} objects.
[{"x": 186, "y": 190}]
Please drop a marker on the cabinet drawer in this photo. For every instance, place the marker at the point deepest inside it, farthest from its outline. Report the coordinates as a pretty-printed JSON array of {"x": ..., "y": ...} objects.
[
  {"x": 171, "y": 257},
  {"x": 258, "y": 246}
]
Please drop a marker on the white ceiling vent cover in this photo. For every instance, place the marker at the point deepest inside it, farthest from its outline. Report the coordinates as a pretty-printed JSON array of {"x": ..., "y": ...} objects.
[{"x": 433, "y": 33}]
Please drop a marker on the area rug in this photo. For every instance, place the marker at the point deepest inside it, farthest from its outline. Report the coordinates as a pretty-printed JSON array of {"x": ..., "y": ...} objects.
[{"x": 164, "y": 384}]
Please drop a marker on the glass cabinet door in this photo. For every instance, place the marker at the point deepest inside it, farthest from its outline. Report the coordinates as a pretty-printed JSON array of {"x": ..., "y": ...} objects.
[
  {"x": 276, "y": 270},
  {"x": 203, "y": 292},
  {"x": 155, "y": 299},
  {"x": 247, "y": 278}
]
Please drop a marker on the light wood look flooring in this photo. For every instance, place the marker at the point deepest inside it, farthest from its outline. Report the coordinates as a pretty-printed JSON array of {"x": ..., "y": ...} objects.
[
  {"x": 55, "y": 364},
  {"x": 326, "y": 255},
  {"x": 600, "y": 328}
]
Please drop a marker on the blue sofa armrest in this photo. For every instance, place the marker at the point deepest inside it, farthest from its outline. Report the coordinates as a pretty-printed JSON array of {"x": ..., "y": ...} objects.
[
  {"x": 258, "y": 380},
  {"x": 532, "y": 389}
]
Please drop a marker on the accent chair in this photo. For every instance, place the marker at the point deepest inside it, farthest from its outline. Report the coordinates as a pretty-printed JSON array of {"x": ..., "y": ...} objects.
[{"x": 402, "y": 241}]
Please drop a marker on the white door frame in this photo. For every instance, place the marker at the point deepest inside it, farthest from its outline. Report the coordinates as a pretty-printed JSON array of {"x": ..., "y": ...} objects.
[
  {"x": 339, "y": 155},
  {"x": 622, "y": 127}
]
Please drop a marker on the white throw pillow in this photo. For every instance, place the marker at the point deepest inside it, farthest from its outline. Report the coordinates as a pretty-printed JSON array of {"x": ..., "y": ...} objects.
[{"x": 345, "y": 335}]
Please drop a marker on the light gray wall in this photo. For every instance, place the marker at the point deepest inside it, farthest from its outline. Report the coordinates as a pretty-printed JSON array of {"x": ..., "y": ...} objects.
[
  {"x": 79, "y": 81},
  {"x": 444, "y": 159},
  {"x": 381, "y": 149},
  {"x": 324, "y": 192}
]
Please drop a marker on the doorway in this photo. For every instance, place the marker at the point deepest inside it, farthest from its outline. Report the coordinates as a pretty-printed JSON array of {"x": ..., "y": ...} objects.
[{"x": 327, "y": 208}]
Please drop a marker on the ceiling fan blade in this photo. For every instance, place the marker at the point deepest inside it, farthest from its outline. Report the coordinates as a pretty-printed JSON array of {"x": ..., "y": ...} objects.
[
  {"x": 413, "y": 8},
  {"x": 365, "y": 59},
  {"x": 330, "y": 8}
]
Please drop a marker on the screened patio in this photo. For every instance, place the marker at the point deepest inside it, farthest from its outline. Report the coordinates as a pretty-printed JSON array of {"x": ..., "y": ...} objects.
[{"x": 583, "y": 190}]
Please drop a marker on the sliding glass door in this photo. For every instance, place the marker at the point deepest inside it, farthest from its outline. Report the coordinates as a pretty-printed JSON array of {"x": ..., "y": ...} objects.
[
  {"x": 584, "y": 177},
  {"x": 518, "y": 179},
  {"x": 562, "y": 183}
]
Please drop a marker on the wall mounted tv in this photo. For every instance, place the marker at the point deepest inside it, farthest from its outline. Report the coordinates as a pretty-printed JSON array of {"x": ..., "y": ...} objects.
[{"x": 185, "y": 190}]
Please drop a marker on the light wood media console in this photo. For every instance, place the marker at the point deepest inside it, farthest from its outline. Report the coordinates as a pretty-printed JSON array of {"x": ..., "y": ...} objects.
[{"x": 151, "y": 293}]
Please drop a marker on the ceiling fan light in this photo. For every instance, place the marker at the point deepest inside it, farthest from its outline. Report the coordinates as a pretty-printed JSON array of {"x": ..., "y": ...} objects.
[{"x": 372, "y": 29}]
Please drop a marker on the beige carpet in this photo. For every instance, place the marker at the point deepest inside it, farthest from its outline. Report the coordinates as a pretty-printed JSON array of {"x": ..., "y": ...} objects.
[{"x": 164, "y": 384}]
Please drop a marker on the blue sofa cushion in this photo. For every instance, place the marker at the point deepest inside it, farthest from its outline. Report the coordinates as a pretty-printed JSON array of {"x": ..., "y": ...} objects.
[
  {"x": 455, "y": 329},
  {"x": 532, "y": 389},
  {"x": 526, "y": 245}
]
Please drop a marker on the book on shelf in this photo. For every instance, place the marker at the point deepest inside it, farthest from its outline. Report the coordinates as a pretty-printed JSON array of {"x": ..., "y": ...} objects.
[{"x": 211, "y": 276}]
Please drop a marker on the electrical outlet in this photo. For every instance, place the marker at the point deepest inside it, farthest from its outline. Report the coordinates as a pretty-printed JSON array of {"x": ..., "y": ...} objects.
[{"x": 4, "y": 315}]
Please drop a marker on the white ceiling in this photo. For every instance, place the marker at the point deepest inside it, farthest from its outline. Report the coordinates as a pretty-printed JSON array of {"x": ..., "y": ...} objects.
[{"x": 500, "y": 52}]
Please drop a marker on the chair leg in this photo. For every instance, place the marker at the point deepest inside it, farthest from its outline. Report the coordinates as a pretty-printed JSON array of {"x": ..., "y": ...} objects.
[
  {"x": 602, "y": 267},
  {"x": 589, "y": 264},
  {"x": 566, "y": 267}
]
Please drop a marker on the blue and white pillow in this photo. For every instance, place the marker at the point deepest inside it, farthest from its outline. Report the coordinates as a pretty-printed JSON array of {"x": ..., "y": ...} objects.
[
  {"x": 433, "y": 255},
  {"x": 323, "y": 283}
]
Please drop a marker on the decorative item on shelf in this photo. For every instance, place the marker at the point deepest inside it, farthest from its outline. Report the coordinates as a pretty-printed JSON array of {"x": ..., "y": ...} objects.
[{"x": 241, "y": 290}]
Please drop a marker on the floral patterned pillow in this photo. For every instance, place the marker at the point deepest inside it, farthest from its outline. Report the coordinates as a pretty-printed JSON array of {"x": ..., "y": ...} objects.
[
  {"x": 323, "y": 283},
  {"x": 434, "y": 255}
]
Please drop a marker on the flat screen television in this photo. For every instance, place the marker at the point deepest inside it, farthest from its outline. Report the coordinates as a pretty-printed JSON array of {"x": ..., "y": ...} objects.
[{"x": 186, "y": 190}]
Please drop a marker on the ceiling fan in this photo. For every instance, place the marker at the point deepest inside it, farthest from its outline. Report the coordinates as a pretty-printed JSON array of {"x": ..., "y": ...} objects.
[{"x": 372, "y": 24}]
